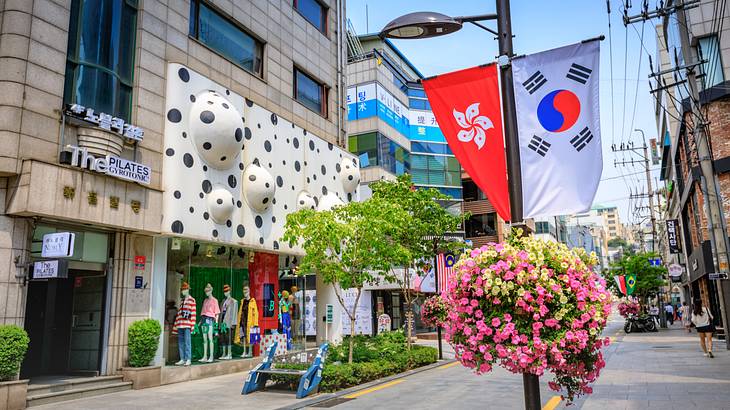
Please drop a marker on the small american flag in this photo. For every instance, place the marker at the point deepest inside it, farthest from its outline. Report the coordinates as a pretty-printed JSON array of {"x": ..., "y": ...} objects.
[{"x": 444, "y": 269}]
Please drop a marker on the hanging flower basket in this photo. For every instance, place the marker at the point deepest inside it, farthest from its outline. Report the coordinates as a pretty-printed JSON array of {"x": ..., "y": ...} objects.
[
  {"x": 434, "y": 311},
  {"x": 529, "y": 306},
  {"x": 628, "y": 307}
]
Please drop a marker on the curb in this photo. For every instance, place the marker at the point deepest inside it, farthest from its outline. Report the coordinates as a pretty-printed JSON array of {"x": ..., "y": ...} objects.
[{"x": 328, "y": 396}]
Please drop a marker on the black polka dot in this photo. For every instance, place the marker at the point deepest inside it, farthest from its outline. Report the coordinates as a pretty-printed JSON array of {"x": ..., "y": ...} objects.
[
  {"x": 285, "y": 207},
  {"x": 324, "y": 170},
  {"x": 267, "y": 185},
  {"x": 276, "y": 245},
  {"x": 174, "y": 115},
  {"x": 223, "y": 158},
  {"x": 334, "y": 178},
  {"x": 338, "y": 168},
  {"x": 292, "y": 187},
  {"x": 192, "y": 98},
  {"x": 210, "y": 102},
  {"x": 207, "y": 117},
  {"x": 184, "y": 134},
  {"x": 274, "y": 119},
  {"x": 311, "y": 145},
  {"x": 239, "y": 204},
  {"x": 354, "y": 161},
  {"x": 206, "y": 216},
  {"x": 295, "y": 142},
  {"x": 273, "y": 201},
  {"x": 275, "y": 137},
  {"x": 261, "y": 240},
  {"x": 247, "y": 133},
  {"x": 287, "y": 140},
  {"x": 297, "y": 166},
  {"x": 177, "y": 227},
  {"x": 273, "y": 219},
  {"x": 304, "y": 132},
  {"x": 249, "y": 102},
  {"x": 192, "y": 210},
  {"x": 259, "y": 221},
  {"x": 225, "y": 105},
  {"x": 219, "y": 201},
  {"x": 258, "y": 125},
  {"x": 207, "y": 187},
  {"x": 232, "y": 181},
  {"x": 324, "y": 190},
  {"x": 349, "y": 197},
  {"x": 267, "y": 146},
  {"x": 305, "y": 163},
  {"x": 205, "y": 167},
  {"x": 283, "y": 162},
  {"x": 241, "y": 231},
  {"x": 256, "y": 162},
  {"x": 240, "y": 166},
  {"x": 183, "y": 74},
  {"x": 239, "y": 135},
  {"x": 215, "y": 233},
  {"x": 188, "y": 160},
  {"x": 201, "y": 195},
  {"x": 228, "y": 92},
  {"x": 279, "y": 181},
  {"x": 301, "y": 202},
  {"x": 330, "y": 146},
  {"x": 177, "y": 194},
  {"x": 252, "y": 177},
  {"x": 207, "y": 146},
  {"x": 350, "y": 177},
  {"x": 265, "y": 200},
  {"x": 307, "y": 179},
  {"x": 229, "y": 223},
  {"x": 316, "y": 201}
]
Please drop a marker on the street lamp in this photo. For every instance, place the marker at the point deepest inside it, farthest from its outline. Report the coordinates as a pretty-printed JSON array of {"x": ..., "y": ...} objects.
[{"x": 429, "y": 24}]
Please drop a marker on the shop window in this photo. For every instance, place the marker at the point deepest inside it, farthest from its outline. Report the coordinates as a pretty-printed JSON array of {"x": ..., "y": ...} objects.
[
  {"x": 310, "y": 92},
  {"x": 225, "y": 37},
  {"x": 481, "y": 225},
  {"x": 436, "y": 170},
  {"x": 418, "y": 104},
  {"x": 100, "y": 58},
  {"x": 314, "y": 12},
  {"x": 472, "y": 191}
]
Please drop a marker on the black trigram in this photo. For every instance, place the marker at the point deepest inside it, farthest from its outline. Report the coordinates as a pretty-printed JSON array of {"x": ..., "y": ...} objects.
[
  {"x": 579, "y": 73},
  {"x": 539, "y": 145},
  {"x": 534, "y": 82},
  {"x": 582, "y": 139}
]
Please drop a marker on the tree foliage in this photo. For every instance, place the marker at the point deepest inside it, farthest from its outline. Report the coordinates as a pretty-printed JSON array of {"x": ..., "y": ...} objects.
[
  {"x": 349, "y": 246},
  {"x": 648, "y": 278},
  {"x": 621, "y": 243}
]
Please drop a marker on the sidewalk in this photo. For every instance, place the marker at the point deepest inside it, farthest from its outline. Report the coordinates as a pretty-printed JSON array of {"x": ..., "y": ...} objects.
[{"x": 661, "y": 370}]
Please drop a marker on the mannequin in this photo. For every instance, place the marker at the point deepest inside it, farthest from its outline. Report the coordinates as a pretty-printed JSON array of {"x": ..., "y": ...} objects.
[
  {"x": 285, "y": 317},
  {"x": 229, "y": 311},
  {"x": 184, "y": 324},
  {"x": 296, "y": 312},
  {"x": 209, "y": 318},
  {"x": 248, "y": 318}
]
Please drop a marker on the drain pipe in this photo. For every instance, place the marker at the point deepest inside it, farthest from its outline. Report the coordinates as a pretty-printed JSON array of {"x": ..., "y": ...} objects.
[{"x": 340, "y": 74}]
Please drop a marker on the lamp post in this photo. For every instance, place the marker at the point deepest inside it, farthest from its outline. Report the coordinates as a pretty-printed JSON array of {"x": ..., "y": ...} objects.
[{"x": 430, "y": 24}]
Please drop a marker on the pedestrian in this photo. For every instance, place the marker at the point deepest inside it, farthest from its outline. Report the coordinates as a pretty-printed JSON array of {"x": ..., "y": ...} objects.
[
  {"x": 702, "y": 319},
  {"x": 669, "y": 310},
  {"x": 686, "y": 315}
]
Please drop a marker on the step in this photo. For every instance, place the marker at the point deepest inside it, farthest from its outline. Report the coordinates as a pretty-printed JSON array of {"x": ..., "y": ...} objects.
[
  {"x": 78, "y": 393},
  {"x": 72, "y": 384}
]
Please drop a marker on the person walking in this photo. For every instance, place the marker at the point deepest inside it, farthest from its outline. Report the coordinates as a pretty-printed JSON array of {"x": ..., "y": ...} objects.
[
  {"x": 686, "y": 315},
  {"x": 669, "y": 310},
  {"x": 702, "y": 319}
]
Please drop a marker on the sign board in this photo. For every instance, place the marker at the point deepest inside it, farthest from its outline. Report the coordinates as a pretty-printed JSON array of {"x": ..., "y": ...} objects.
[
  {"x": 675, "y": 270},
  {"x": 58, "y": 245},
  {"x": 654, "y": 151},
  {"x": 88, "y": 116},
  {"x": 384, "y": 323},
  {"x": 672, "y": 238},
  {"x": 51, "y": 269},
  {"x": 110, "y": 165},
  {"x": 363, "y": 313},
  {"x": 655, "y": 261},
  {"x": 717, "y": 276},
  {"x": 330, "y": 314},
  {"x": 138, "y": 282},
  {"x": 139, "y": 262}
]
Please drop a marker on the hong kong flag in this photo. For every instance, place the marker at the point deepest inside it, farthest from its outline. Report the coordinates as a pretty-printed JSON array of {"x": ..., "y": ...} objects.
[{"x": 467, "y": 107}]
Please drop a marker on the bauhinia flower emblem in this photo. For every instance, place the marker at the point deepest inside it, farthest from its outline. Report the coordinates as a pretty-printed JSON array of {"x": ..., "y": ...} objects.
[{"x": 474, "y": 126}]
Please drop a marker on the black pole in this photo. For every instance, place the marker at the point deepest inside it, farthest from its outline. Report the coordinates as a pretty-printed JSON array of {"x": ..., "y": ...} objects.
[
  {"x": 531, "y": 385},
  {"x": 514, "y": 172},
  {"x": 436, "y": 285}
]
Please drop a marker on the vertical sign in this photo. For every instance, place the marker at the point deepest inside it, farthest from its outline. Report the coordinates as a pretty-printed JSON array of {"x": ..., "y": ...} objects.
[
  {"x": 654, "y": 151},
  {"x": 330, "y": 314},
  {"x": 139, "y": 262},
  {"x": 673, "y": 240}
]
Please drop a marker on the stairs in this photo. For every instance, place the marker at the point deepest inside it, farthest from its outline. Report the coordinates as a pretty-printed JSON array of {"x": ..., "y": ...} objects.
[{"x": 39, "y": 394}]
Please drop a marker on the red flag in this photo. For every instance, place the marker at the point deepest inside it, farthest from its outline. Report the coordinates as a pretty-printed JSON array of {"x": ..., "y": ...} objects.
[{"x": 467, "y": 107}]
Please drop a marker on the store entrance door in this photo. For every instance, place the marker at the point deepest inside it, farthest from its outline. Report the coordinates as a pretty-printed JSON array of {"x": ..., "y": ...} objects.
[{"x": 64, "y": 320}]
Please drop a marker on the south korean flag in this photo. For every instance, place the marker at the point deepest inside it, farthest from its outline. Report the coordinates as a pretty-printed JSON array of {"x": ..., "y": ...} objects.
[{"x": 556, "y": 94}]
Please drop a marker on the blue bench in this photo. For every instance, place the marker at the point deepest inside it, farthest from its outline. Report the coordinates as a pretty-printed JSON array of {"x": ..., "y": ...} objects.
[{"x": 308, "y": 379}]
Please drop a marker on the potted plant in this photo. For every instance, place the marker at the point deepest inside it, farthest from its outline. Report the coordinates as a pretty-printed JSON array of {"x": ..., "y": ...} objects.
[
  {"x": 143, "y": 338},
  {"x": 13, "y": 346}
]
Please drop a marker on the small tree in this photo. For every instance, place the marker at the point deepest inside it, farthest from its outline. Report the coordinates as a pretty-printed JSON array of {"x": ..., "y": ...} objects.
[
  {"x": 648, "y": 278},
  {"x": 423, "y": 232},
  {"x": 348, "y": 246}
]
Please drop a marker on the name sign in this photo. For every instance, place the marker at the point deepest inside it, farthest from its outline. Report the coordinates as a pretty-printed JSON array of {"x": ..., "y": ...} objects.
[
  {"x": 104, "y": 121},
  {"x": 110, "y": 165},
  {"x": 52, "y": 269},
  {"x": 58, "y": 245},
  {"x": 672, "y": 237}
]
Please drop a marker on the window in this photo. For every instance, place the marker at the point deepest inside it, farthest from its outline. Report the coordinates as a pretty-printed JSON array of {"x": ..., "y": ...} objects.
[
  {"x": 418, "y": 104},
  {"x": 310, "y": 92},
  {"x": 472, "y": 191},
  {"x": 435, "y": 170},
  {"x": 225, "y": 37},
  {"x": 100, "y": 59},
  {"x": 431, "y": 148},
  {"x": 481, "y": 225},
  {"x": 377, "y": 149},
  {"x": 417, "y": 92},
  {"x": 314, "y": 12},
  {"x": 709, "y": 50},
  {"x": 366, "y": 147},
  {"x": 545, "y": 227}
]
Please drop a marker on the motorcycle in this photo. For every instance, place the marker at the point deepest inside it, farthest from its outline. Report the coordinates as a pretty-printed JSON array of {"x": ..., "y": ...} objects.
[{"x": 636, "y": 323}]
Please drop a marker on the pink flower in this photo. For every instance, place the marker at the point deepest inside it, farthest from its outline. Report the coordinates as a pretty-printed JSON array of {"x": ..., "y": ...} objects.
[
  {"x": 507, "y": 317},
  {"x": 496, "y": 322}
]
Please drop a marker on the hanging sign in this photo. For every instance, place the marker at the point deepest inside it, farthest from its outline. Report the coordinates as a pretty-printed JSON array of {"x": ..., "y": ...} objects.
[
  {"x": 672, "y": 238},
  {"x": 51, "y": 269},
  {"x": 58, "y": 245}
]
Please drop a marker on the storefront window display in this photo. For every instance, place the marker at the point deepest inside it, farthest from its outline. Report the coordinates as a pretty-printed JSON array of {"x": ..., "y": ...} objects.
[{"x": 242, "y": 301}]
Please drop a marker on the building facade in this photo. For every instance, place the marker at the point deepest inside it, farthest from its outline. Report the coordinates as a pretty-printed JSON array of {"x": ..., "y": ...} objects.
[{"x": 163, "y": 144}]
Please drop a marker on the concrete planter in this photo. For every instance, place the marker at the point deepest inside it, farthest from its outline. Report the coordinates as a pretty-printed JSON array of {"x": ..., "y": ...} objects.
[
  {"x": 99, "y": 142},
  {"x": 13, "y": 394},
  {"x": 143, "y": 377}
]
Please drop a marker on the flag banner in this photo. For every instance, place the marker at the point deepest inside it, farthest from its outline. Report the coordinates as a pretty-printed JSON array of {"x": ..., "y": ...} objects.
[
  {"x": 621, "y": 282},
  {"x": 444, "y": 269},
  {"x": 558, "y": 120},
  {"x": 630, "y": 284},
  {"x": 467, "y": 107}
]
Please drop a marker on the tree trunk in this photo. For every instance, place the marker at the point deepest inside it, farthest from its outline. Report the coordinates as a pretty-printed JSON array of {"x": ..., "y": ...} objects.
[
  {"x": 352, "y": 337},
  {"x": 409, "y": 325}
]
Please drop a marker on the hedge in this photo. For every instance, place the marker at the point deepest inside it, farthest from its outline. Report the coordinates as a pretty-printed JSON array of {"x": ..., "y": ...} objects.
[
  {"x": 143, "y": 338},
  {"x": 13, "y": 346}
]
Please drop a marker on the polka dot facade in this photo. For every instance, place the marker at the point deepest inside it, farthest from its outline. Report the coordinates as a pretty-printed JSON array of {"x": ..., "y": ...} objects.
[
  {"x": 215, "y": 140},
  {"x": 349, "y": 175}
]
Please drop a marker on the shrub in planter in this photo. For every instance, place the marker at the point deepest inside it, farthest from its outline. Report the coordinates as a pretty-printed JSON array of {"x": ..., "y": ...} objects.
[
  {"x": 143, "y": 339},
  {"x": 13, "y": 346}
]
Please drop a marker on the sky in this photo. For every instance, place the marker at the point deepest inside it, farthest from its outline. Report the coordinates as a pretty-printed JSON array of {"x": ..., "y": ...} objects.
[{"x": 538, "y": 26}]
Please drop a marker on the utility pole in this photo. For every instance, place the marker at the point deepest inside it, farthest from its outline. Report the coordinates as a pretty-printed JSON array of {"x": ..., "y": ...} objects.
[
  {"x": 708, "y": 182},
  {"x": 651, "y": 192}
]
